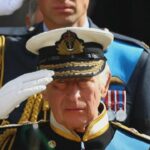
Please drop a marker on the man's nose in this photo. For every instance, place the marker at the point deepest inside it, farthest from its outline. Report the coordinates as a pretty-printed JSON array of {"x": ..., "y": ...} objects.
[{"x": 73, "y": 92}]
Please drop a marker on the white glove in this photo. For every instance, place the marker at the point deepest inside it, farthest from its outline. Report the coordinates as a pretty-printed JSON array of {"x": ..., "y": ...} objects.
[
  {"x": 19, "y": 89},
  {"x": 8, "y": 7}
]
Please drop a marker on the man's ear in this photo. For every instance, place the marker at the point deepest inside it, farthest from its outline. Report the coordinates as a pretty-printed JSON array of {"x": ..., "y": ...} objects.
[
  {"x": 104, "y": 89},
  {"x": 27, "y": 21}
]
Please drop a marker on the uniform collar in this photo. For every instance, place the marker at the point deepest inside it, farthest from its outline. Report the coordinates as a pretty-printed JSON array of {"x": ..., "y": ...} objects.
[{"x": 96, "y": 128}]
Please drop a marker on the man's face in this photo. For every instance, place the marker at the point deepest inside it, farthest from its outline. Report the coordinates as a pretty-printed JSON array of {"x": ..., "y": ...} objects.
[
  {"x": 64, "y": 12},
  {"x": 74, "y": 102}
]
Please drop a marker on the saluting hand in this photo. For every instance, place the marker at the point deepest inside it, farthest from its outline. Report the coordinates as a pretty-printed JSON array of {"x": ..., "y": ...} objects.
[{"x": 19, "y": 89}]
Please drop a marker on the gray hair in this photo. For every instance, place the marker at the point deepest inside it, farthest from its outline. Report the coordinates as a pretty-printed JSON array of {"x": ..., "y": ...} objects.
[{"x": 104, "y": 75}]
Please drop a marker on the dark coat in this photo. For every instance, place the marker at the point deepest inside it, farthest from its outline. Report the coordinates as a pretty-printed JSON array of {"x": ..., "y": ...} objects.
[
  {"x": 128, "y": 59},
  {"x": 41, "y": 137}
]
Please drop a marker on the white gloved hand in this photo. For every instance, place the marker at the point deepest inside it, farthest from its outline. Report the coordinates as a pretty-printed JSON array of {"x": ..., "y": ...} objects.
[
  {"x": 8, "y": 7},
  {"x": 19, "y": 89}
]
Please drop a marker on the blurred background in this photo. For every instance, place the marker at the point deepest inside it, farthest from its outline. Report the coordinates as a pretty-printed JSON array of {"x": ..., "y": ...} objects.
[{"x": 129, "y": 17}]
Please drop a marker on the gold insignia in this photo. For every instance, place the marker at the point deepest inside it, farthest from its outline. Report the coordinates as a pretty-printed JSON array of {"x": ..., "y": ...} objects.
[
  {"x": 69, "y": 44},
  {"x": 52, "y": 144}
]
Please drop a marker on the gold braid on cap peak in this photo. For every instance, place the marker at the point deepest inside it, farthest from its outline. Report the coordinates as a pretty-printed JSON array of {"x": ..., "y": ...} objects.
[
  {"x": 73, "y": 64},
  {"x": 93, "y": 68},
  {"x": 2, "y": 47}
]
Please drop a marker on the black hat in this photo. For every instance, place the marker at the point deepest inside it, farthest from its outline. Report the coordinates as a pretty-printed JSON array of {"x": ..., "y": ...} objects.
[{"x": 71, "y": 51}]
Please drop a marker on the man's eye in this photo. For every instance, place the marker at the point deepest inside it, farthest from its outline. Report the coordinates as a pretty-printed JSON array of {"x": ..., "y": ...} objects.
[
  {"x": 84, "y": 80},
  {"x": 60, "y": 84},
  {"x": 61, "y": 81}
]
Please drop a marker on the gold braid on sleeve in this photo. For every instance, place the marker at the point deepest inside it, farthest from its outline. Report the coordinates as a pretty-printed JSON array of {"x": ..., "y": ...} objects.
[{"x": 2, "y": 47}]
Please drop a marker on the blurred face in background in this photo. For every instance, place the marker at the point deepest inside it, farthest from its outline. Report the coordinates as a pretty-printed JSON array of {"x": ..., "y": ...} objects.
[
  {"x": 62, "y": 13},
  {"x": 34, "y": 18}
]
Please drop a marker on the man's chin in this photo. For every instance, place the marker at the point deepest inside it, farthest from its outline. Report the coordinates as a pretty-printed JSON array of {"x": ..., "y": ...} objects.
[
  {"x": 80, "y": 130},
  {"x": 66, "y": 21}
]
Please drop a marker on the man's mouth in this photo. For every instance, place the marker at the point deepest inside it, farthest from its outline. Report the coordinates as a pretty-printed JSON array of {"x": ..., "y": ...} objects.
[{"x": 63, "y": 8}]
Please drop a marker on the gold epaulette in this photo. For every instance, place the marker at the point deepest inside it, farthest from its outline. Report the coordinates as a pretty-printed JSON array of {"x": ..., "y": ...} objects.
[
  {"x": 2, "y": 47},
  {"x": 131, "y": 130},
  {"x": 7, "y": 138},
  {"x": 34, "y": 105},
  {"x": 116, "y": 80}
]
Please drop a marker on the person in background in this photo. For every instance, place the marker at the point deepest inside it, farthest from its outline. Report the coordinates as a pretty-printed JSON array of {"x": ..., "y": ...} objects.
[
  {"x": 32, "y": 17},
  {"x": 8, "y": 7},
  {"x": 34, "y": 14},
  {"x": 116, "y": 16},
  {"x": 128, "y": 96},
  {"x": 78, "y": 117}
]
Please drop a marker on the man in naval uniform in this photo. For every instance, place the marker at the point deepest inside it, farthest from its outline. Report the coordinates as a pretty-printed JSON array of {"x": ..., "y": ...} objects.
[
  {"x": 129, "y": 61},
  {"x": 78, "y": 119}
]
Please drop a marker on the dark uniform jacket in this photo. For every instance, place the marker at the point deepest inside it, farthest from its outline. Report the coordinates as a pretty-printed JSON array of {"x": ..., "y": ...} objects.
[
  {"x": 129, "y": 62},
  {"x": 99, "y": 135}
]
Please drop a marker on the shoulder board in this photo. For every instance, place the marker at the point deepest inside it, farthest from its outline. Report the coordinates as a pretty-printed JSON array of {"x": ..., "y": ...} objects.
[
  {"x": 116, "y": 80},
  {"x": 132, "y": 41},
  {"x": 2, "y": 46},
  {"x": 132, "y": 131}
]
